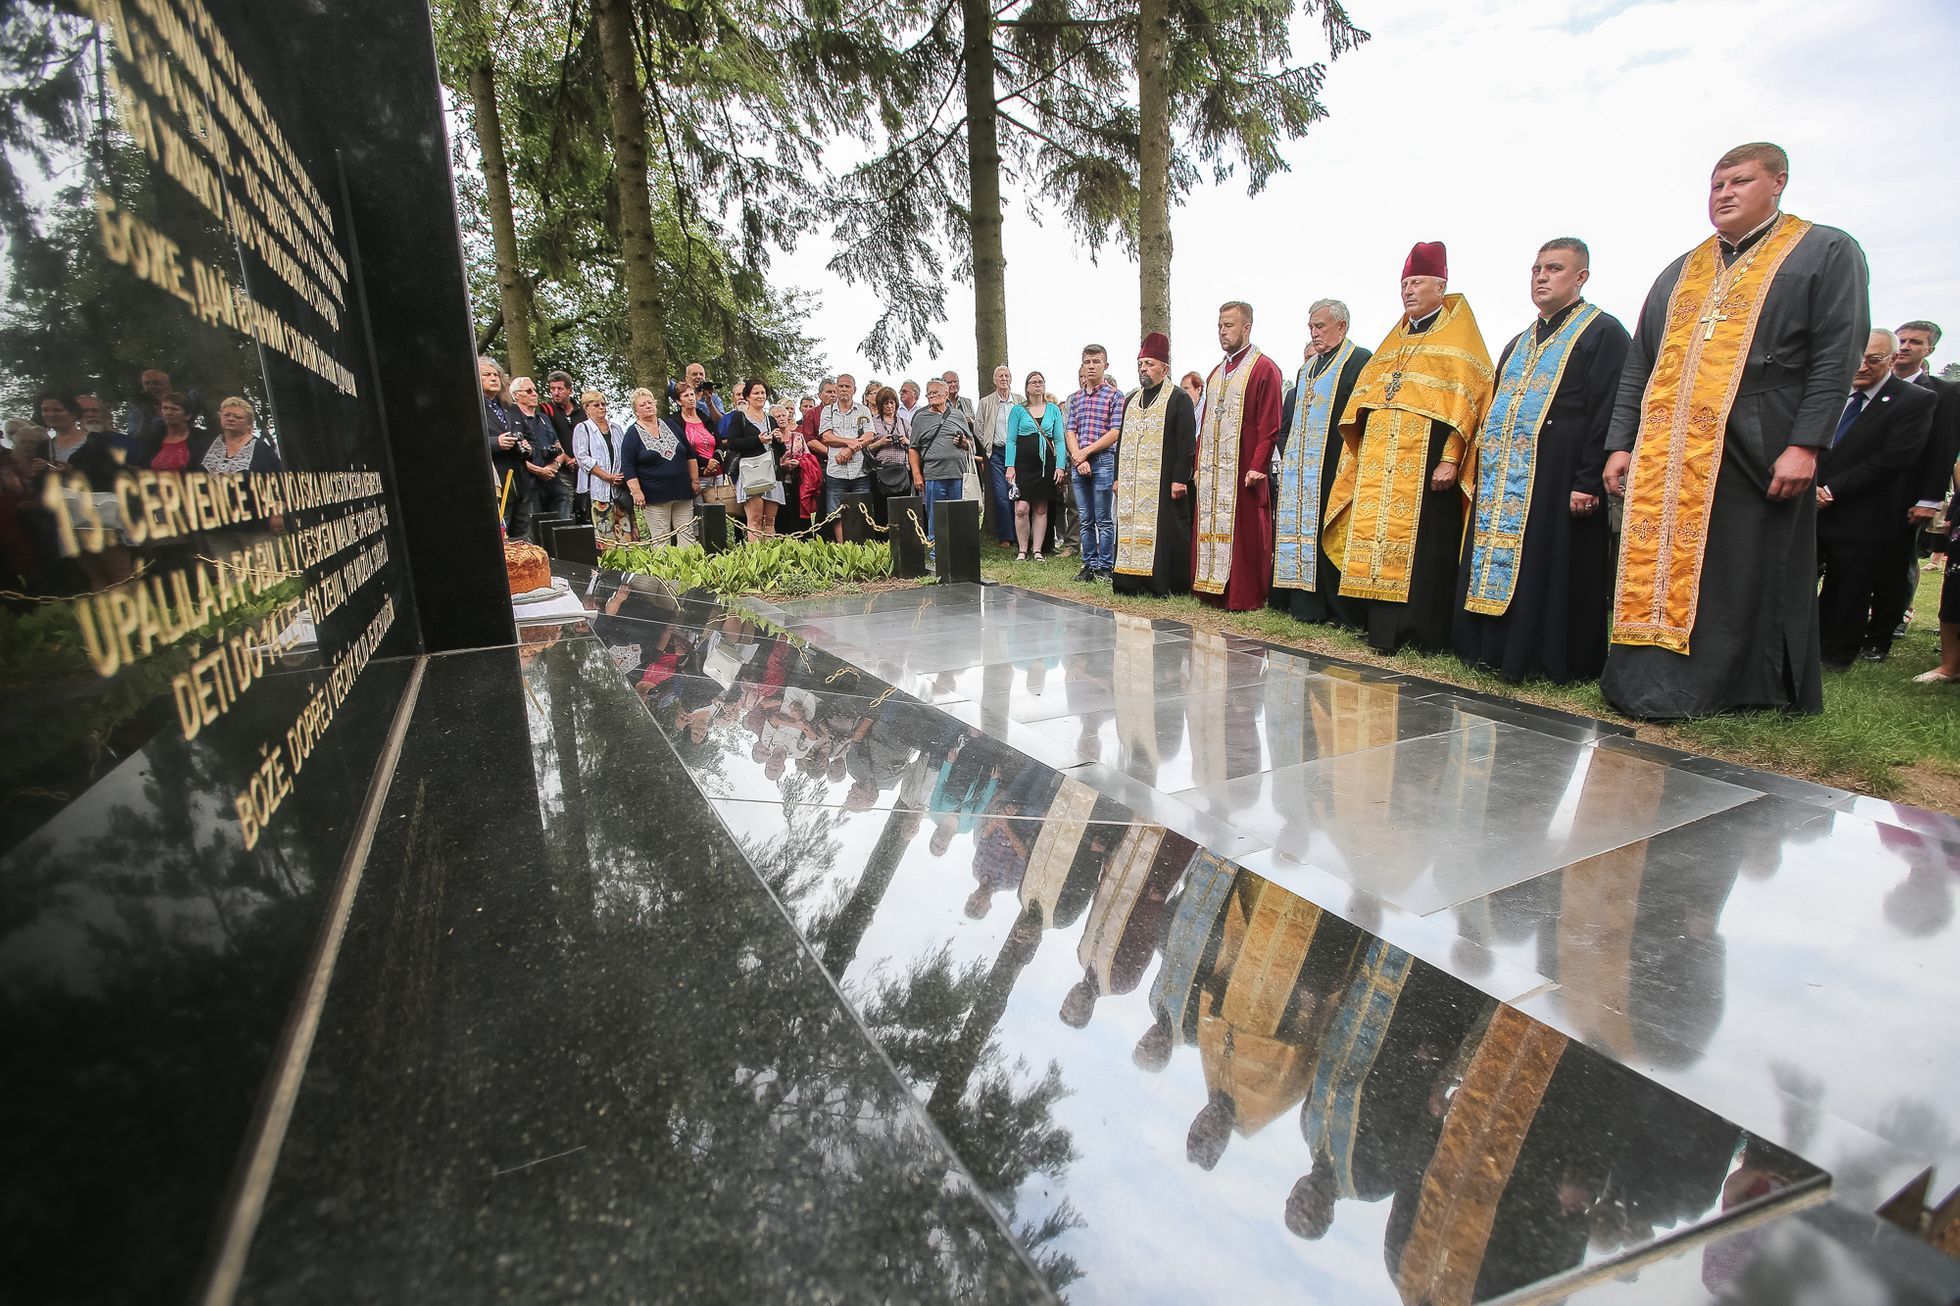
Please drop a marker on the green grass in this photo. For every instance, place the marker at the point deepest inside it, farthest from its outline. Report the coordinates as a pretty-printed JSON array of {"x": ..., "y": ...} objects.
[{"x": 1879, "y": 733}]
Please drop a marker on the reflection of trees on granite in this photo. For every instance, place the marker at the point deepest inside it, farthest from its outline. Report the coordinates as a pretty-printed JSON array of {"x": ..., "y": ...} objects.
[
  {"x": 671, "y": 1089},
  {"x": 146, "y": 964},
  {"x": 1003, "y": 1130}
]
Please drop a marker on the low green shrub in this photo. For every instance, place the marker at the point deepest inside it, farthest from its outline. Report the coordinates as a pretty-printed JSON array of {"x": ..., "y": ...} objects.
[{"x": 774, "y": 566}]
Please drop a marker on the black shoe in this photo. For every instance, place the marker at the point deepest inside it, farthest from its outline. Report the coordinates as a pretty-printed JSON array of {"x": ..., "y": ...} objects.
[
  {"x": 1905, "y": 627},
  {"x": 1873, "y": 654},
  {"x": 1085, "y": 574}
]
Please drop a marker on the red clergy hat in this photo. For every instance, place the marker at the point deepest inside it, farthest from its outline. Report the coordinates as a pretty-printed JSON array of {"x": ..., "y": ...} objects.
[
  {"x": 1156, "y": 345},
  {"x": 1428, "y": 259}
]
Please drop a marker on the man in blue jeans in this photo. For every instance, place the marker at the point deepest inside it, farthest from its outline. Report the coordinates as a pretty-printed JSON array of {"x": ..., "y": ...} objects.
[
  {"x": 1094, "y": 422},
  {"x": 942, "y": 438}
]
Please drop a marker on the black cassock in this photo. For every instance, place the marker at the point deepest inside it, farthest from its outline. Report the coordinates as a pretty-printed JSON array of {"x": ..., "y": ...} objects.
[
  {"x": 1755, "y": 639},
  {"x": 1555, "y": 626},
  {"x": 1170, "y": 573},
  {"x": 1322, "y": 603}
]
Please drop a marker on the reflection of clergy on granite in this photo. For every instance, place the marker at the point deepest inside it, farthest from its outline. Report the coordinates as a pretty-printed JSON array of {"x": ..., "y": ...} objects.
[
  {"x": 1216, "y": 717},
  {"x": 1145, "y": 736},
  {"x": 1077, "y": 834},
  {"x": 1126, "y": 916},
  {"x": 1367, "y": 1117},
  {"x": 1635, "y": 942},
  {"x": 1004, "y": 842},
  {"x": 1261, "y": 1010},
  {"x": 1191, "y": 942}
]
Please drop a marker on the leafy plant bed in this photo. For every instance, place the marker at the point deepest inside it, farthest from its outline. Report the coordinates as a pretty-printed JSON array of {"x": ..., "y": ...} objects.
[{"x": 773, "y": 566}]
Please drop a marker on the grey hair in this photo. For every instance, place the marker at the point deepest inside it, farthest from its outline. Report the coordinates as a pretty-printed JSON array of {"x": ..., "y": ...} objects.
[
  {"x": 1891, "y": 340},
  {"x": 1334, "y": 306},
  {"x": 1931, "y": 329}
]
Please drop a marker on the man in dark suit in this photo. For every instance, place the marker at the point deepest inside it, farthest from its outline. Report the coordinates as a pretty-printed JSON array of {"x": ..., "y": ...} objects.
[
  {"x": 1864, "y": 486},
  {"x": 1934, "y": 475}
]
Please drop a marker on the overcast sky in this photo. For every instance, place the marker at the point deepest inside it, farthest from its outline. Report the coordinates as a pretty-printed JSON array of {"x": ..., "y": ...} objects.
[{"x": 1494, "y": 125}]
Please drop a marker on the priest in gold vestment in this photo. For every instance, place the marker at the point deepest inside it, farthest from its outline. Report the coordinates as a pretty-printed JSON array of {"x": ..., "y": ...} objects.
[
  {"x": 1739, "y": 374},
  {"x": 1394, "y": 524}
]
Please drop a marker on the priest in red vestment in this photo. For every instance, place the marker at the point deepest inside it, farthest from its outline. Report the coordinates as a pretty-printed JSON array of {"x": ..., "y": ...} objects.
[{"x": 1232, "y": 539}]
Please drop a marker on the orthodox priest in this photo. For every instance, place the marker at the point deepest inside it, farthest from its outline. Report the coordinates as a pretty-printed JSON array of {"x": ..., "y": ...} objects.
[
  {"x": 1533, "y": 592},
  {"x": 1306, "y": 583},
  {"x": 1153, "y": 480},
  {"x": 1232, "y": 553},
  {"x": 1736, "y": 378},
  {"x": 1395, "y": 514}
]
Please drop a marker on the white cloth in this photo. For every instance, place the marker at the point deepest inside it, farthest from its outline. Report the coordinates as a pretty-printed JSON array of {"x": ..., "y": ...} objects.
[{"x": 589, "y": 447}]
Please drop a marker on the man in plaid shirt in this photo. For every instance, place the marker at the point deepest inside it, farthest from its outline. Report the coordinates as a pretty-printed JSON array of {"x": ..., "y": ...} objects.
[{"x": 1094, "y": 421}]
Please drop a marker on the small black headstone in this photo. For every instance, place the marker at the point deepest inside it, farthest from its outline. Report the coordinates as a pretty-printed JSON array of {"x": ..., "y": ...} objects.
[
  {"x": 956, "y": 540},
  {"x": 575, "y": 544},
  {"x": 857, "y": 519},
  {"x": 542, "y": 529},
  {"x": 908, "y": 535},
  {"x": 711, "y": 527}
]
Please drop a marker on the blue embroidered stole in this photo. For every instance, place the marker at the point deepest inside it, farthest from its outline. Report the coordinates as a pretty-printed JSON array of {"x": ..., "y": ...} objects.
[
  {"x": 1507, "y": 458},
  {"x": 1332, "y": 1119},
  {"x": 1206, "y": 890},
  {"x": 1297, "y": 509}
]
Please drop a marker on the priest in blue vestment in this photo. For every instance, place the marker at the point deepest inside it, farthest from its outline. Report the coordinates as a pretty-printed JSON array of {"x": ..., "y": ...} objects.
[{"x": 1535, "y": 585}]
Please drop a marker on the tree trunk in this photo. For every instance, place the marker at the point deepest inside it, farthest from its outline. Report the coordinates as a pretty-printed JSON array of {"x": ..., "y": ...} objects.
[
  {"x": 983, "y": 191},
  {"x": 1154, "y": 164},
  {"x": 646, "y": 334},
  {"x": 513, "y": 291}
]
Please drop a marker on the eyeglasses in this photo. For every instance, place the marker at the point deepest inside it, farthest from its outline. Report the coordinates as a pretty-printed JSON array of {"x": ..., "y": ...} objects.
[{"x": 1873, "y": 360}]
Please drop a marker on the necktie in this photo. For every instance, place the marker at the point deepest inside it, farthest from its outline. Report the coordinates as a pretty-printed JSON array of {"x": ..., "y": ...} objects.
[{"x": 1852, "y": 407}]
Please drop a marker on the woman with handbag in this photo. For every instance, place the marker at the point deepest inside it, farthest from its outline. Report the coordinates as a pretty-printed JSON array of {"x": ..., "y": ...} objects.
[
  {"x": 894, "y": 471},
  {"x": 596, "y": 447},
  {"x": 1035, "y": 465},
  {"x": 714, "y": 486},
  {"x": 753, "y": 444}
]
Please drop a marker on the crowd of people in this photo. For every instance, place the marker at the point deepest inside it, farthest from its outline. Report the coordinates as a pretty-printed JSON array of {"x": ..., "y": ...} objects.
[
  {"x": 1702, "y": 513},
  {"x": 159, "y": 428}
]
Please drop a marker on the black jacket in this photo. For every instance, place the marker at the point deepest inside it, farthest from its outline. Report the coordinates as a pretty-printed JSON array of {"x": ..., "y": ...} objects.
[
  {"x": 1934, "y": 473},
  {"x": 1869, "y": 472}
]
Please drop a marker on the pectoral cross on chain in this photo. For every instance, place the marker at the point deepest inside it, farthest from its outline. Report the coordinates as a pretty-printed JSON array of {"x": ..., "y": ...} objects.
[
  {"x": 1710, "y": 318},
  {"x": 1393, "y": 387}
]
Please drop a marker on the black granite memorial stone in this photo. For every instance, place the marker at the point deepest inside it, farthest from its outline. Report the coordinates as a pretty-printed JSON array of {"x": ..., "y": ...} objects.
[
  {"x": 907, "y": 518},
  {"x": 860, "y": 527},
  {"x": 956, "y": 538},
  {"x": 211, "y": 612},
  {"x": 711, "y": 527}
]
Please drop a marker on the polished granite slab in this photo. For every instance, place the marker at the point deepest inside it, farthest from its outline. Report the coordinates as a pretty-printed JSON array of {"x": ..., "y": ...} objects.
[
  {"x": 1774, "y": 959},
  {"x": 1430, "y": 822},
  {"x": 1133, "y": 1045},
  {"x": 573, "y": 1048},
  {"x": 1465, "y": 860},
  {"x": 1826, "y": 1255},
  {"x": 935, "y": 897},
  {"x": 149, "y": 962}
]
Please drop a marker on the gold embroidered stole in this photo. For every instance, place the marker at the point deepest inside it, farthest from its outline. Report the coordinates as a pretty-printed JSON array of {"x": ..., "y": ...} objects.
[
  {"x": 1140, "y": 482},
  {"x": 1135, "y": 667},
  {"x": 1239, "y": 1039},
  {"x": 1053, "y": 854},
  {"x": 1684, "y": 417},
  {"x": 1219, "y": 472},
  {"x": 1483, "y": 1133},
  {"x": 1599, "y": 904},
  {"x": 1375, "y": 506},
  {"x": 1123, "y": 882}
]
